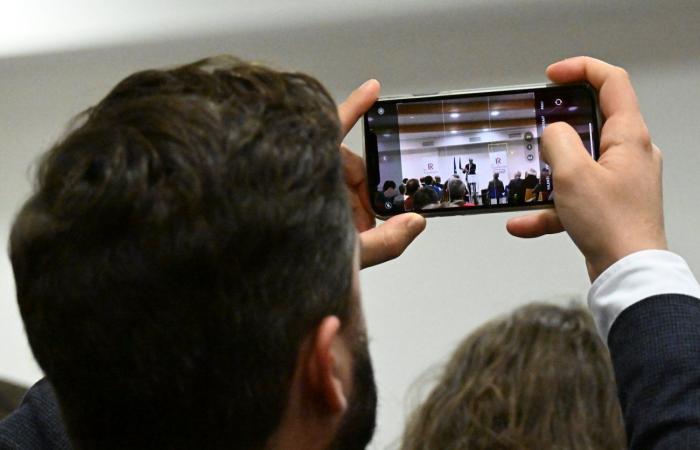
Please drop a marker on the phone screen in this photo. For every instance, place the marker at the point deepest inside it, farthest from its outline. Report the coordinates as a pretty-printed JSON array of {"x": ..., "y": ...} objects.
[{"x": 476, "y": 152}]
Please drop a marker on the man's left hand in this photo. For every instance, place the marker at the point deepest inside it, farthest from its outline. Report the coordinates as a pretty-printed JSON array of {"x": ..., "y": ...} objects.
[{"x": 387, "y": 241}]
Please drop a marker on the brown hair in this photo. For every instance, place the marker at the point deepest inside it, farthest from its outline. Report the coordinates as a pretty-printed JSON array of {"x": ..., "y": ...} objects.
[
  {"x": 180, "y": 243},
  {"x": 538, "y": 379}
]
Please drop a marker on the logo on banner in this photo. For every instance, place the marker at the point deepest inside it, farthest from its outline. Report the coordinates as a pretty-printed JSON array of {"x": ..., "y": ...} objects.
[
  {"x": 499, "y": 158},
  {"x": 430, "y": 166}
]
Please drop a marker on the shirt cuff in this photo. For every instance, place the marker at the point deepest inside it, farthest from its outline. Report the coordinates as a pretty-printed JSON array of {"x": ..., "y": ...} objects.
[{"x": 634, "y": 278}]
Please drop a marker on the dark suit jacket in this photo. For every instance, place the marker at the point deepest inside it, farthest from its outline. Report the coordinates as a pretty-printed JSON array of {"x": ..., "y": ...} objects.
[
  {"x": 655, "y": 349},
  {"x": 36, "y": 424},
  {"x": 469, "y": 169},
  {"x": 496, "y": 189},
  {"x": 530, "y": 181},
  {"x": 516, "y": 191}
]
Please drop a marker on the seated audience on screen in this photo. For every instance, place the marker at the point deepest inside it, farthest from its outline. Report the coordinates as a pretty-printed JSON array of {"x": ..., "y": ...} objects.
[
  {"x": 457, "y": 192},
  {"x": 385, "y": 196},
  {"x": 400, "y": 198},
  {"x": 389, "y": 189},
  {"x": 425, "y": 198},
  {"x": 412, "y": 187},
  {"x": 429, "y": 181},
  {"x": 539, "y": 378}
]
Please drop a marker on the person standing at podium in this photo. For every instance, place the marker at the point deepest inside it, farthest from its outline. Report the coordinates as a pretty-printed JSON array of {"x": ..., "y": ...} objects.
[{"x": 470, "y": 169}]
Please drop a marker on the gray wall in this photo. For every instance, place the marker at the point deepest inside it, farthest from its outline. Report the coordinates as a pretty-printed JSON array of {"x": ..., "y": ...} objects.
[{"x": 463, "y": 270}]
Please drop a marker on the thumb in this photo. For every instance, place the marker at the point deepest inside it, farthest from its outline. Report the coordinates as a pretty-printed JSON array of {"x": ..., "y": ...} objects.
[
  {"x": 563, "y": 150},
  {"x": 535, "y": 225},
  {"x": 390, "y": 239}
]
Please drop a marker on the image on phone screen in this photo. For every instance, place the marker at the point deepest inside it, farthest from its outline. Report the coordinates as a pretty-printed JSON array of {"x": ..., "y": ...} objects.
[{"x": 477, "y": 152}]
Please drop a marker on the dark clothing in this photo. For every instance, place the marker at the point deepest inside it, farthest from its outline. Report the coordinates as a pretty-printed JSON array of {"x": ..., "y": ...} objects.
[
  {"x": 544, "y": 186},
  {"x": 655, "y": 349},
  {"x": 496, "y": 189},
  {"x": 469, "y": 169},
  {"x": 530, "y": 182},
  {"x": 516, "y": 191},
  {"x": 36, "y": 424}
]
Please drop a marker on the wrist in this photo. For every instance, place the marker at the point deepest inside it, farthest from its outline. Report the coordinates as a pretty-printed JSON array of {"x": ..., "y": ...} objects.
[{"x": 597, "y": 264}]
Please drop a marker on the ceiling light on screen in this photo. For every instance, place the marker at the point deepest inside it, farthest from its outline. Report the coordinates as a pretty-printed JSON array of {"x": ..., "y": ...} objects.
[
  {"x": 453, "y": 131},
  {"x": 495, "y": 113},
  {"x": 454, "y": 115},
  {"x": 386, "y": 135},
  {"x": 573, "y": 108}
]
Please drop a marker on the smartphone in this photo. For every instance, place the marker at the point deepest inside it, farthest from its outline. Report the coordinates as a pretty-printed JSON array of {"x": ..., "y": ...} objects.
[{"x": 462, "y": 152}]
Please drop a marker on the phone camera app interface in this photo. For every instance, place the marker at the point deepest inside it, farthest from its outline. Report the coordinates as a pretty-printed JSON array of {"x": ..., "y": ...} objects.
[{"x": 470, "y": 152}]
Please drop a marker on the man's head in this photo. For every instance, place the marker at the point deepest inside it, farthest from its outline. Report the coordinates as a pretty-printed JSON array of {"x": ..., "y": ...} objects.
[
  {"x": 424, "y": 197},
  {"x": 429, "y": 180},
  {"x": 518, "y": 175},
  {"x": 495, "y": 176},
  {"x": 457, "y": 189},
  {"x": 180, "y": 290},
  {"x": 388, "y": 185},
  {"x": 412, "y": 186}
]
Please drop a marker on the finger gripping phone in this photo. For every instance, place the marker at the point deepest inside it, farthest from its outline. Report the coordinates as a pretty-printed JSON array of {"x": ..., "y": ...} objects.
[{"x": 470, "y": 151}]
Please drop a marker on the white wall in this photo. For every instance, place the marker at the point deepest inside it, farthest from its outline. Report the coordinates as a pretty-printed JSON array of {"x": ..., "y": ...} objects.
[{"x": 463, "y": 270}]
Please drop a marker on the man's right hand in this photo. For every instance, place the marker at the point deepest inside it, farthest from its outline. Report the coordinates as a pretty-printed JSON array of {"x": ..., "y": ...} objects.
[{"x": 613, "y": 207}]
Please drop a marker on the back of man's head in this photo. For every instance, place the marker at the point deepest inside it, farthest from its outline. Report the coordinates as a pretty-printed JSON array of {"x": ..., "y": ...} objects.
[
  {"x": 180, "y": 244},
  {"x": 412, "y": 186},
  {"x": 457, "y": 189},
  {"x": 424, "y": 197}
]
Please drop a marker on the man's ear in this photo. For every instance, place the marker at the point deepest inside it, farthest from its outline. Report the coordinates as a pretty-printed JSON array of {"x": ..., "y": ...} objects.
[{"x": 328, "y": 368}]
